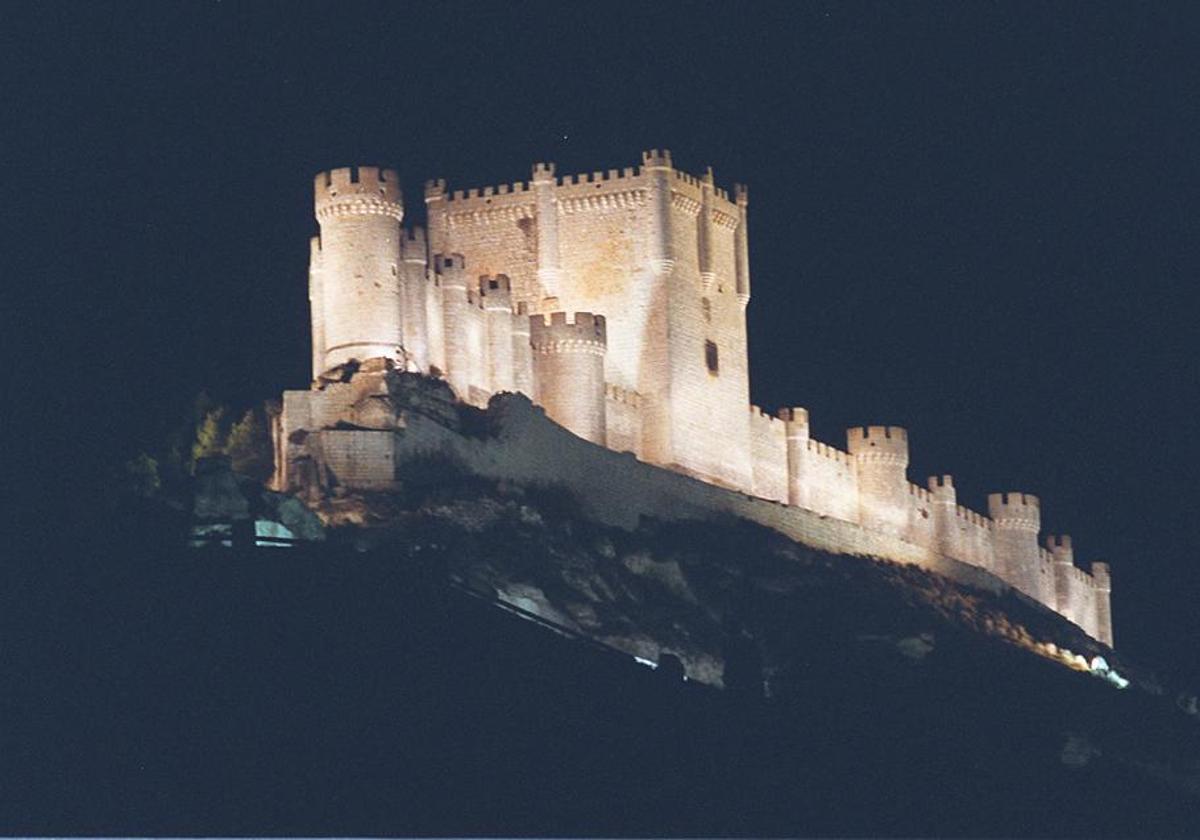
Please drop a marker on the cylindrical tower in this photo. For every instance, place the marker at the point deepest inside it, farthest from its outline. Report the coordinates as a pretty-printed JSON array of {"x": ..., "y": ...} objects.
[
  {"x": 413, "y": 272},
  {"x": 1018, "y": 518},
  {"x": 881, "y": 456},
  {"x": 741, "y": 244},
  {"x": 522, "y": 352},
  {"x": 568, "y": 370},
  {"x": 496, "y": 294},
  {"x": 704, "y": 234},
  {"x": 795, "y": 424},
  {"x": 451, "y": 270},
  {"x": 945, "y": 520},
  {"x": 359, "y": 210},
  {"x": 657, "y": 165},
  {"x": 1102, "y": 583},
  {"x": 316, "y": 305},
  {"x": 1064, "y": 564},
  {"x": 549, "y": 268},
  {"x": 435, "y": 214}
]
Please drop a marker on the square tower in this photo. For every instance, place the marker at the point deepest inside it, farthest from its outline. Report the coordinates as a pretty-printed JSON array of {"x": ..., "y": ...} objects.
[{"x": 662, "y": 255}]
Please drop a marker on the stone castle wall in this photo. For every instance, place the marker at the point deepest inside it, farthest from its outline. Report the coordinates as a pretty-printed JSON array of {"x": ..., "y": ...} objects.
[{"x": 651, "y": 263}]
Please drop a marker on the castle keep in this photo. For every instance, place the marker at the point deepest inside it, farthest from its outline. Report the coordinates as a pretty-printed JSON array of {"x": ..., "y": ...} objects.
[{"x": 617, "y": 302}]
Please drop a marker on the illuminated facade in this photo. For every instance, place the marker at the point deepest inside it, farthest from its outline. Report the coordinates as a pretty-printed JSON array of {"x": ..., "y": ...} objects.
[{"x": 617, "y": 301}]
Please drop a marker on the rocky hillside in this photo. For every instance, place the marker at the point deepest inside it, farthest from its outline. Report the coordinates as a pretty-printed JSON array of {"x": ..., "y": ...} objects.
[
  {"x": 740, "y": 604},
  {"x": 461, "y": 657}
]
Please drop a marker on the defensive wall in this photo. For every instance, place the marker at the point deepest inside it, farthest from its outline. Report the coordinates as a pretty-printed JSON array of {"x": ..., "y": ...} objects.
[{"x": 616, "y": 301}]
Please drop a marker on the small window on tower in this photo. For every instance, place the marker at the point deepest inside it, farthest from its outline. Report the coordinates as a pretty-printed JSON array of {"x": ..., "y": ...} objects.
[
  {"x": 710, "y": 357},
  {"x": 706, "y": 308}
]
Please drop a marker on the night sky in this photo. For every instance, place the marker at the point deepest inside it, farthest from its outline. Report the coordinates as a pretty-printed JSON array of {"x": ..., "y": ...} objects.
[{"x": 978, "y": 221}]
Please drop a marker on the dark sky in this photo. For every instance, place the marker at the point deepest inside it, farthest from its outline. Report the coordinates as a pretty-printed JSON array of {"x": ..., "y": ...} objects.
[{"x": 975, "y": 220}]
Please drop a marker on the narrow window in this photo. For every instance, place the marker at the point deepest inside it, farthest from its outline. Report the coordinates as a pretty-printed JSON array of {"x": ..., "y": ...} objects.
[
  {"x": 706, "y": 308},
  {"x": 710, "y": 357}
]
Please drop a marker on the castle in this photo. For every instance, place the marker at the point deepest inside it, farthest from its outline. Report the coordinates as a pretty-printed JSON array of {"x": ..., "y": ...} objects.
[{"x": 617, "y": 302}]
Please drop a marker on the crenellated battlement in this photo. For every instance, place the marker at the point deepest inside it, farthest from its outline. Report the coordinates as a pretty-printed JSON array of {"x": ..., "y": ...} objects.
[
  {"x": 414, "y": 246},
  {"x": 885, "y": 444},
  {"x": 972, "y": 517},
  {"x": 655, "y": 159},
  {"x": 920, "y": 493},
  {"x": 794, "y": 414},
  {"x": 1060, "y": 549},
  {"x": 832, "y": 453},
  {"x": 764, "y": 416},
  {"x": 357, "y": 191},
  {"x": 568, "y": 332},
  {"x": 598, "y": 178},
  {"x": 1015, "y": 511},
  {"x": 495, "y": 293},
  {"x": 663, "y": 244},
  {"x": 485, "y": 195},
  {"x": 941, "y": 488}
]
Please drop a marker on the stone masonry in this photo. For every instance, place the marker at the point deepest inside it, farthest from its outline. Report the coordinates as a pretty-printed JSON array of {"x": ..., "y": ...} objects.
[{"x": 617, "y": 301}]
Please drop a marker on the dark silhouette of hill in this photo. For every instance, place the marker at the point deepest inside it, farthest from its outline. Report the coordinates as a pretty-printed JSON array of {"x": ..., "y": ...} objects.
[{"x": 155, "y": 689}]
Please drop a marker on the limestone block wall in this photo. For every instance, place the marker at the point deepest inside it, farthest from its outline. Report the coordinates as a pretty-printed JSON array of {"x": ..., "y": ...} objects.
[
  {"x": 629, "y": 244},
  {"x": 829, "y": 481},
  {"x": 661, "y": 259},
  {"x": 603, "y": 260},
  {"x": 920, "y": 528},
  {"x": 976, "y": 544},
  {"x": 768, "y": 447},
  {"x": 623, "y": 420},
  {"x": 358, "y": 458},
  {"x": 618, "y": 488},
  {"x": 710, "y": 428},
  {"x": 821, "y": 478},
  {"x": 494, "y": 227}
]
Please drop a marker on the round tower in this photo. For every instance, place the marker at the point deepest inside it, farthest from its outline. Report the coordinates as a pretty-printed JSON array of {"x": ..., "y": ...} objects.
[
  {"x": 359, "y": 209},
  {"x": 496, "y": 295},
  {"x": 522, "y": 353},
  {"x": 795, "y": 424},
  {"x": 1064, "y": 563},
  {"x": 1018, "y": 519},
  {"x": 945, "y": 514},
  {"x": 452, "y": 271},
  {"x": 1102, "y": 583},
  {"x": 740, "y": 244},
  {"x": 568, "y": 370},
  {"x": 414, "y": 270},
  {"x": 657, "y": 166},
  {"x": 549, "y": 268},
  {"x": 881, "y": 457}
]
